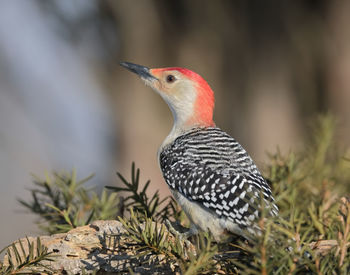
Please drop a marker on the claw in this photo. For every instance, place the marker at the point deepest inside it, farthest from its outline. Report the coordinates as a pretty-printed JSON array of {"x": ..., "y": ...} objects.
[{"x": 182, "y": 236}]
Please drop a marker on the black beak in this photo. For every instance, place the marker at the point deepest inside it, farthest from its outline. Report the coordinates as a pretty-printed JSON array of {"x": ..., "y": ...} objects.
[{"x": 141, "y": 71}]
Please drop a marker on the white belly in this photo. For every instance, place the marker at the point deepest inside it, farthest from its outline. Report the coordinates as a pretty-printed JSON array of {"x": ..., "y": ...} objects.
[{"x": 205, "y": 220}]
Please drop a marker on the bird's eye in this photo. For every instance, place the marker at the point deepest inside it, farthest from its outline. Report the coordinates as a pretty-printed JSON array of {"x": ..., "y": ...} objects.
[{"x": 170, "y": 78}]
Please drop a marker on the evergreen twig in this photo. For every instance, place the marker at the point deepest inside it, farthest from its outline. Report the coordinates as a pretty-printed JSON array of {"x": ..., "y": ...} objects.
[{"x": 24, "y": 261}]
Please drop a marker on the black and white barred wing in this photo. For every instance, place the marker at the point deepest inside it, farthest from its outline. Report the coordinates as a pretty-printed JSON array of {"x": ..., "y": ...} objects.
[{"x": 209, "y": 167}]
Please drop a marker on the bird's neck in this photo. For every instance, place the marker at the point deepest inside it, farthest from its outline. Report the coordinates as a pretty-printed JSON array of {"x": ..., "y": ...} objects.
[
  {"x": 180, "y": 129},
  {"x": 187, "y": 117}
]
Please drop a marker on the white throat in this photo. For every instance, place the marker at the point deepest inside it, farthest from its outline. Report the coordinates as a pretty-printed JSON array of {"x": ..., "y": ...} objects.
[{"x": 182, "y": 108}]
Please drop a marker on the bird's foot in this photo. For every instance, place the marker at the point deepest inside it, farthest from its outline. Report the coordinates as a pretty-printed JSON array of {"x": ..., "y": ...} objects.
[{"x": 181, "y": 236}]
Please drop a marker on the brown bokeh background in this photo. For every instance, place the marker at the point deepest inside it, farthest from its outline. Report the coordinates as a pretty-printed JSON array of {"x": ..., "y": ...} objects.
[{"x": 273, "y": 65}]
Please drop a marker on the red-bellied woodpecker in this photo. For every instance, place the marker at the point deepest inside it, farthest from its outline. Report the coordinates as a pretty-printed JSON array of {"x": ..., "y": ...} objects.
[{"x": 209, "y": 173}]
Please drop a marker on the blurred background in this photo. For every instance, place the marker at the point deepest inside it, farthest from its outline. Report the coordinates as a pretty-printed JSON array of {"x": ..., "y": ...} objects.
[{"x": 65, "y": 102}]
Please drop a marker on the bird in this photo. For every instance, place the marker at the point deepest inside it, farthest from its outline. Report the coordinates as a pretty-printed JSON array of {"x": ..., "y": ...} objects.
[{"x": 210, "y": 175}]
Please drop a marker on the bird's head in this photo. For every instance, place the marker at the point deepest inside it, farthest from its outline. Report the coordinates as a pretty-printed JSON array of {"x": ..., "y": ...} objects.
[{"x": 188, "y": 95}]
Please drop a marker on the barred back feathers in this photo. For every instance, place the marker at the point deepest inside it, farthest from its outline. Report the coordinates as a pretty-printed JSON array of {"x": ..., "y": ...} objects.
[{"x": 211, "y": 169}]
